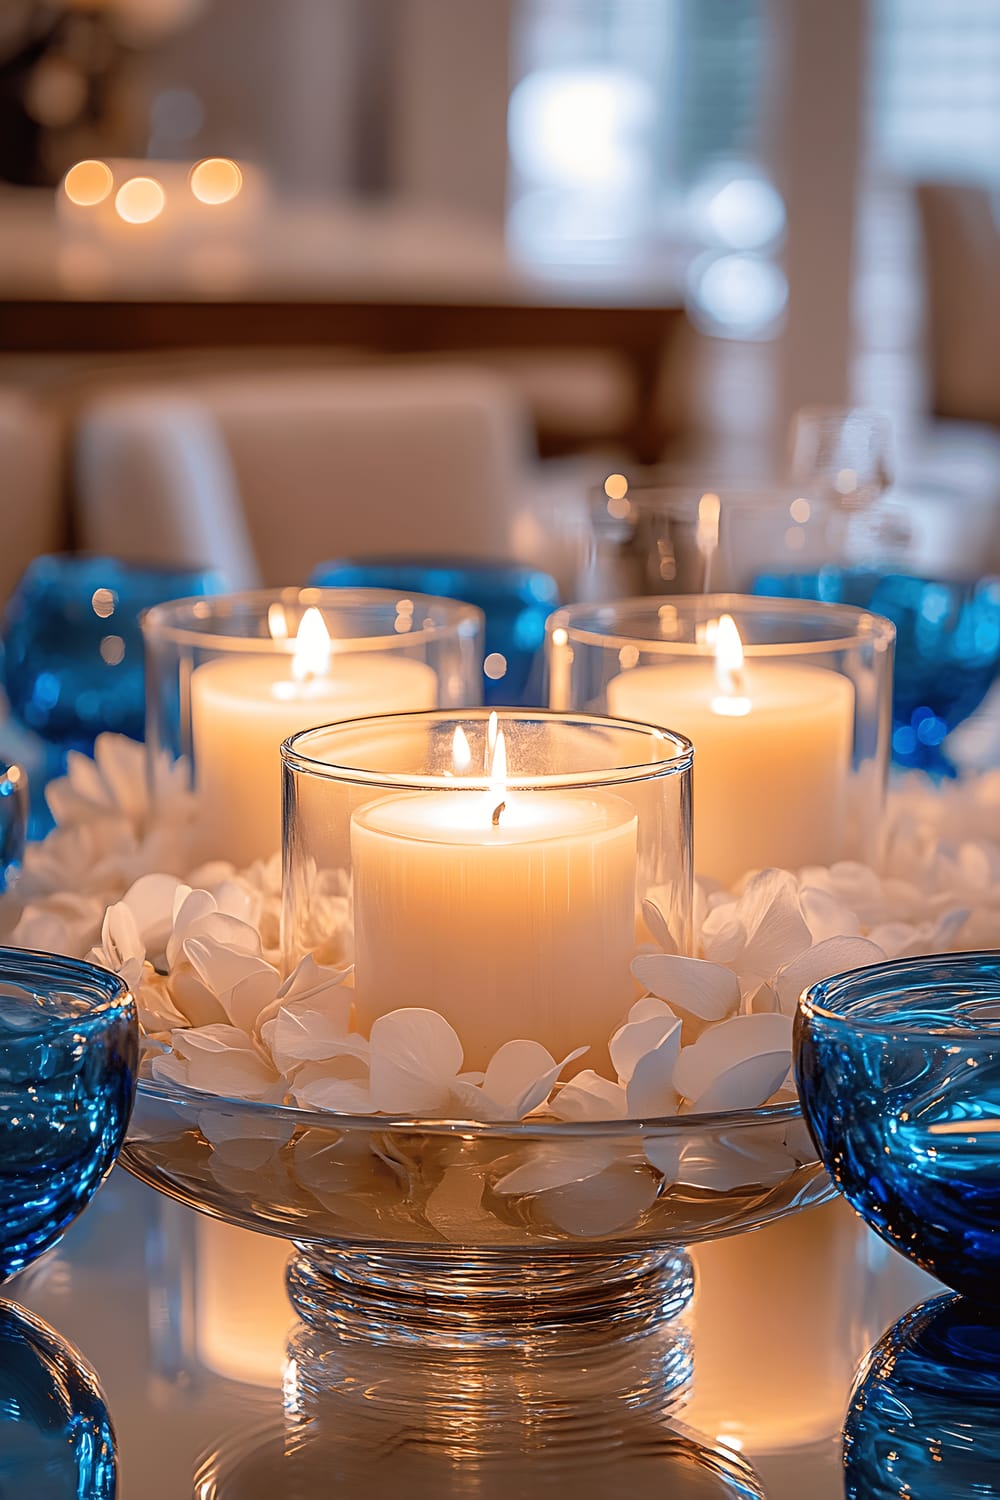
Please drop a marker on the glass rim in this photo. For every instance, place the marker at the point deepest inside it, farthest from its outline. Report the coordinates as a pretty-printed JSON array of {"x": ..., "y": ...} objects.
[
  {"x": 855, "y": 627},
  {"x": 182, "y": 622},
  {"x": 834, "y": 999},
  {"x": 99, "y": 988},
  {"x": 294, "y": 759},
  {"x": 182, "y": 1095}
]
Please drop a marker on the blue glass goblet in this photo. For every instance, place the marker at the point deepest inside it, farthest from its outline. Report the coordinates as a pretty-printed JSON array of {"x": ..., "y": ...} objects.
[
  {"x": 516, "y": 601},
  {"x": 73, "y": 655},
  {"x": 947, "y": 647},
  {"x": 924, "y": 1416},
  {"x": 68, "y": 1056},
  {"x": 898, "y": 1067}
]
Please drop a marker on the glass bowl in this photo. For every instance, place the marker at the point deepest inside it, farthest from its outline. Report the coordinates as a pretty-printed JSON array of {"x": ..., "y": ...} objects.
[
  {"x": 457, "y": 1233},
  {"x": 496, "y": 866},
  {"x": 898, "y": 1068},
  {"x": 924, "y": 1415},
  {"x": 68, "y": 1054}
]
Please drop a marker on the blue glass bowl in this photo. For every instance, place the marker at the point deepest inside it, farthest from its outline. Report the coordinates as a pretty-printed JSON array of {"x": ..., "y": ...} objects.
[
  {"x": 56, "y": 1437},
  {"x": 516, "y": 601},
  {"x": 947, "y": 647},
  {"x": 924, "y": 1416},
  {"x": 898, "y": 1068},
  {"x": 72, "y": 646},
  {"x": 68, "y": 1055}
]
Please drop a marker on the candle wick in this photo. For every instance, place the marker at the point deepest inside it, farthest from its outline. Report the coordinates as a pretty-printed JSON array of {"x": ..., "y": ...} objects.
[{"x": 496, "y": 813}]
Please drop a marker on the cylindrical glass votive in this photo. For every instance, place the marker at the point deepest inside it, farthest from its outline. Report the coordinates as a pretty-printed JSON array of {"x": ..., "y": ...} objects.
[
  {"x": 229, "y": 678},
  {"x": 492, "y": 871},
  {"x": 787, "y": 703}
]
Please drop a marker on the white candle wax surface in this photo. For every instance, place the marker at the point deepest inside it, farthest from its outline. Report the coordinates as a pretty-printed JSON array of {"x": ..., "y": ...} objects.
[
  {"x": 519, "y": 927},
  {"x": 243, "y": 708},
  {"x": 771, "y": 759}
]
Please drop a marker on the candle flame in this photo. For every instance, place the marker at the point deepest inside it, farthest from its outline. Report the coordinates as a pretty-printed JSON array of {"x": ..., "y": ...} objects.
[
  {"x": 312, "y": 647},
  {"x": 461, "y": 753},
  {"x": 496, "y": 770},
  {"x": 732, "y": 700}
]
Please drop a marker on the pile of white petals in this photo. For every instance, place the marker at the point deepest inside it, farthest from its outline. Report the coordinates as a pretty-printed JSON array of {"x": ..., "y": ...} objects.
[{"x": 198, "y": 947}]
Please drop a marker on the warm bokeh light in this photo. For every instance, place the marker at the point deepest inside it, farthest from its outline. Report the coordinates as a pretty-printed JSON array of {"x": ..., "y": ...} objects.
[
  {"x": 103, "y": 602},
  {"x": 113, "y": 650},
  {"x": 217, "y": 179},
  {"x": 495, "y": 666},
  {"x": 709, "y": 511},
  {"x": 140, "y": 200},
  {"x": 800, "y": 510},
  {"x": 88, "y": 183},
  {"x": 616, "y": 486}
]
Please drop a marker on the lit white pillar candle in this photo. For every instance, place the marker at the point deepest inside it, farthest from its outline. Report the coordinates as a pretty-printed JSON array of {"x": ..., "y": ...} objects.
[
  {"x": 242, "y": 708},
  {"x": 512, "y": 913},
  {"x": 772, "y": 753}
]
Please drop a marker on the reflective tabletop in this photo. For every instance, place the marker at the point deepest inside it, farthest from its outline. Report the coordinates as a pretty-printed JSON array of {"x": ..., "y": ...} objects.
[{"x": 206, "y": 1374}]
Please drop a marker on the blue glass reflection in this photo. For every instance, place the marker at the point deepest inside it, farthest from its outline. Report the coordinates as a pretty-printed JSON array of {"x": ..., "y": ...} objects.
[
  {"x": 56, "y": 1438},
  {"x": 947, "y": 647},
  {"x": 68, "y": 1054},
  {"x": 516, "y": 602},
  {"x": 924, "y": 1417}
]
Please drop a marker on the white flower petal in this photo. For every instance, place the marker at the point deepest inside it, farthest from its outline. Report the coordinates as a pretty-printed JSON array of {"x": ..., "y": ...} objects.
[
  {"x": 739, "y": 1158},
  {"x": 415, "y": 1054},
  {"x": 612, "y": 1201},
  {"x": 727, "y": 1045},
  {"x": 589, "y": 1096},
  {"x": 658, "y": 927},
  {"x": 746, "y": 1084},
  {"x": 520, "y": 1075},
  {"x": 633, "y": 1040},
  {"x": 539, "y": 1166},
  {"x": 691, "y": 985},
  {"x": 150, "y": 899},
  {"x": 835, "y": 955},
  {"x": 827, "y": 917},
  {"x": 651, "y": 1091},
  {"x": 776, "y": 929}
]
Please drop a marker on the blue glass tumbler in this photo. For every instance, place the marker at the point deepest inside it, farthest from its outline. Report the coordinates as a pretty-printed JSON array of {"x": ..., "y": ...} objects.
[
  {"x": 898, "y": 1068},
  {"x": 68, "y": 1056},
  {"x": 516, "y": 601}
]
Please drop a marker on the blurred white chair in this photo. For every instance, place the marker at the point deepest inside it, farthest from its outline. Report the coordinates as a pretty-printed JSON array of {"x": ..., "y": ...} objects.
[
  {"x": 30, "y": 485},
  {"x": 266, "y": 475}
]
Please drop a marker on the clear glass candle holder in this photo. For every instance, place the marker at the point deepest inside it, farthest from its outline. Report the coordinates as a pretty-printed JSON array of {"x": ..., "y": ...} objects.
[
  {"x": 229, "y": 678},
  {"x": 490, "y": 869},
  {"x": 787, "y": 704}
]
